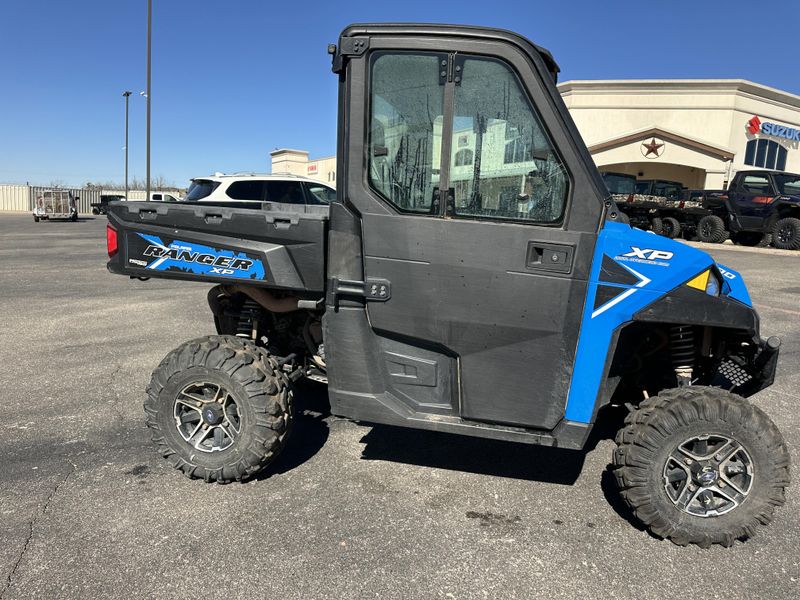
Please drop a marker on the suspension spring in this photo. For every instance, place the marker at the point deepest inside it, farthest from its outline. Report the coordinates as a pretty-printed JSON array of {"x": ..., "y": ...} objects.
[
  {"x": 247, "y": 324},
  {"x": 681, "y": 344}
]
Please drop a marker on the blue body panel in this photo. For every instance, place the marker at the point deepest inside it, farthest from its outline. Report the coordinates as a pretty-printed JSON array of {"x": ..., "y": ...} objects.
[
  {"x": 653, "y": 266},
  {"x": 204, "y": 260},
  {"x": 733, "y": 285}
]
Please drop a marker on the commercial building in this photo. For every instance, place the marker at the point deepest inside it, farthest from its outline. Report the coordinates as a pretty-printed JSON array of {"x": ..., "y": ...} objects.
[{"x": 697, "y": 132}]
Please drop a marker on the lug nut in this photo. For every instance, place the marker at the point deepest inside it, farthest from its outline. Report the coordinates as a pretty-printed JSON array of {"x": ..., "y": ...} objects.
[{"x": 688, "y": 461}]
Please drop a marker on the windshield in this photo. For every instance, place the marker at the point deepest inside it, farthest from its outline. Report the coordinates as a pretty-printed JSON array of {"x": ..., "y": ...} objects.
[
  {"x": 788, "y": 184},
  {"x": 200, "y": 188},
  {"x": 619, "y": 184},
  {"x": 669, "y": 189}
]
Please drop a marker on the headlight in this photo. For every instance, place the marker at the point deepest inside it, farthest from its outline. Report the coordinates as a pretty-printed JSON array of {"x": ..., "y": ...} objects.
[
  {"x": 713, "y": 286},
  {"x": 705, "y": 282}
]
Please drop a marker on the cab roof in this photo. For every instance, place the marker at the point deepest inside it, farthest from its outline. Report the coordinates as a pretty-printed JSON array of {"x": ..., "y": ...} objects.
[{"x": 451, "y": 30}]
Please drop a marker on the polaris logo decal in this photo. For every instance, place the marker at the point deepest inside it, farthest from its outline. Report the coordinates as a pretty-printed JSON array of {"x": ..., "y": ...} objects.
[
  {"x": 647, "y": 255},
  {"x": 152, "y": 253}
]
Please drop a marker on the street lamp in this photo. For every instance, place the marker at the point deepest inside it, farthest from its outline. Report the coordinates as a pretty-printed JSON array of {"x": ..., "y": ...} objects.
[
  {"x": 149, "y": 36},
  {"x": 127, "y": 95}
]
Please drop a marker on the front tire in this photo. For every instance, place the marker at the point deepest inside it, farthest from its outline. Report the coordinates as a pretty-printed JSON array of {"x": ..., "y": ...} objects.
[
  {"x": 219, "y": 408},
  {"x": 35, "y": 219},
  {"x": 670, "y": 227},
  {"x": 786, "y": 234},
  {"x": 700, "y": 465}
]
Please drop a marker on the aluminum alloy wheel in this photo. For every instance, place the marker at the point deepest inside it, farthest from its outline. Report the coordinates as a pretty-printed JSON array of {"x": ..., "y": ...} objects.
[
  {"x": 708, "y": 475},
  {"x": 785, "y": 234},
  {"x": 207, "y": 416}
]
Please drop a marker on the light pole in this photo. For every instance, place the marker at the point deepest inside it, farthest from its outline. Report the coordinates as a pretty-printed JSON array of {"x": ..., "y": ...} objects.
[
  {"x": 149, "y": 95},
  {"x": 127, "y": 95}
]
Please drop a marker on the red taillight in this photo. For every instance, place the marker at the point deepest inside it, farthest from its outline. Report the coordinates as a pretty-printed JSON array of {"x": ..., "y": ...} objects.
[
  {"x": 763, "y": 200},
  {"x": 111, "y": 241},
  {"x": 630, "y": 197}
]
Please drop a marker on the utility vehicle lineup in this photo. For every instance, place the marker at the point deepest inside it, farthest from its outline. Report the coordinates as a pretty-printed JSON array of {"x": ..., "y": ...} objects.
[
  {"x": 759, "y": 208},
  {"x": 471, "y": 277}
]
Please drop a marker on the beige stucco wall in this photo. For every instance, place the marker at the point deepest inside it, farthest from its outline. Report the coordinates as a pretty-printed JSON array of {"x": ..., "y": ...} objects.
[{"x": 711, "y": 112}]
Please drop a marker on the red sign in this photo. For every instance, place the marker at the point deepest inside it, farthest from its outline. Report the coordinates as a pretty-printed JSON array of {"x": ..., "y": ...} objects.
[{"x": 312, "y": 168}]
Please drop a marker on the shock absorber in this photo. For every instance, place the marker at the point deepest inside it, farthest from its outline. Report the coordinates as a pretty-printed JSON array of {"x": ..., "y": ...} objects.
[
  {"x": 247, "y": 323},
  {"x": 681, "y": 344}
]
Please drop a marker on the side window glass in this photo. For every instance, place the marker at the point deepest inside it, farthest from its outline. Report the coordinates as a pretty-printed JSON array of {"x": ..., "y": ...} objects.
[
  {"x": 514, "y": 172},
  {"x": 320, "y": 194},
  {"x": 286, "y": 192},
  {"x": 405, "y": 129},
  {"x": 248, "y": 189},
  {"x": 755, "y": 184}
]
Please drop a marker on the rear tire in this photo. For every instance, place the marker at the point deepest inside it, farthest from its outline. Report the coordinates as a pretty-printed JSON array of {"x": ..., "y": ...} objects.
[
  {"x": 786, "y": 234},
  {"x": 711, "y": 229},
  {"x": 671, "y": 228},
  {"x": 718, "y": 499},
  {"x": 219, "y": 408}
]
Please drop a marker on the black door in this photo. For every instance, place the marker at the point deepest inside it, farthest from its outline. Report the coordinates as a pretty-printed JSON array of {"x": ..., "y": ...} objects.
[{"x": 477, "y": 207}]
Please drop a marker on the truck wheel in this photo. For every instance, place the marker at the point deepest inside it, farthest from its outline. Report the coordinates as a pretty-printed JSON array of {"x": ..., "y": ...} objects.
[
  {"x": 711, "y": 229},
  {"x": 657, "y": 226},
  {"x": 95, "y": 211},
  {"x": 700, "y": 465},
  {"x": 786, "y": 234},
  {"x": 752, "y": 239},
  {"x": 35, "y": 219},
  {"x": 219, "y": 408},
  {"x": 671, "y": 228}
]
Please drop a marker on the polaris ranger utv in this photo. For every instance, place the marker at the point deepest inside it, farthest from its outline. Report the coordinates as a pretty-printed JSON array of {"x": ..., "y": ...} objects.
[{"x": 469, "y": 278}]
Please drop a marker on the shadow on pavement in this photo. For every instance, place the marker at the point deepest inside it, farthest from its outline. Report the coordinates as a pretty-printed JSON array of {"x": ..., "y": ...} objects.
[{"x": 482, "y": 456}]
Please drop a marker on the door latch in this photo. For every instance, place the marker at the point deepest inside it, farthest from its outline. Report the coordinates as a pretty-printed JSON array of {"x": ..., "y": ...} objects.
[{"x": 374, "y": 290}]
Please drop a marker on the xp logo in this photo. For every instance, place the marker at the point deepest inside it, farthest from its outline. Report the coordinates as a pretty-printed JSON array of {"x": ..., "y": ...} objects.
[
  {"x": 648, "y": 254},
  {"x": 754, "y": 125}
]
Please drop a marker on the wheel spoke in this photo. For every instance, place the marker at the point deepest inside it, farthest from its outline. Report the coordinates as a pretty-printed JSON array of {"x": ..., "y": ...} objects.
[
  {"x": 197, "y": 399},
  {"x": 218, "y": 439},
  {"x": 201, "y": 439}
]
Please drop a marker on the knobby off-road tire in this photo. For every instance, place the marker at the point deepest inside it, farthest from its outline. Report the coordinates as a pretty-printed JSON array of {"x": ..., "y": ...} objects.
[
  {"x": 786, "y": 234},
  {"x": 711, "y": 229},
  {"x": 657, "y": 225},
  {"x": 670, "y": 227},
  {"x": 649, "y": 478},
  {"x": 231, "y": 390}
]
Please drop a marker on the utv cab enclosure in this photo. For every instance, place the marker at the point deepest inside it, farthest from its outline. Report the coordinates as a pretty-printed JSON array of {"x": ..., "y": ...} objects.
[{"x": 471, "y": 277}]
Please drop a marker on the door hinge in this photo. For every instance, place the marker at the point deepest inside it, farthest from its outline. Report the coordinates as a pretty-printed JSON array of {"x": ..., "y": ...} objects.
[{"x": 374, "y": 290}]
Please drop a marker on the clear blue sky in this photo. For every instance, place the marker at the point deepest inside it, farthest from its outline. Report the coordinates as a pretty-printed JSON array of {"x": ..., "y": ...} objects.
[{"x": 233, "y": 80}]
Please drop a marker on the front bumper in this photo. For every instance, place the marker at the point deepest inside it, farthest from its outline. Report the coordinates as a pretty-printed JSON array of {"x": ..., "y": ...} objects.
[{"x": 751, "y": 372}]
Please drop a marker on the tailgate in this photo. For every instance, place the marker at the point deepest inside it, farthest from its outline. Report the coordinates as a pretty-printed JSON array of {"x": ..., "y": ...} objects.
[{"x": 200, "y": 242}]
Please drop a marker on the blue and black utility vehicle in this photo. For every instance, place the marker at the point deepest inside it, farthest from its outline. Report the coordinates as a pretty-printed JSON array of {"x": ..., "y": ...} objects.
[
  {"x": 760, "y": 207},
  {"x": 471, "y": 277}
]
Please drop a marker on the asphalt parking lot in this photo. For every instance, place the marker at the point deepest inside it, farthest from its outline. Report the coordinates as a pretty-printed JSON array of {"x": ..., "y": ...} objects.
[{"x": 87, "y": 509}]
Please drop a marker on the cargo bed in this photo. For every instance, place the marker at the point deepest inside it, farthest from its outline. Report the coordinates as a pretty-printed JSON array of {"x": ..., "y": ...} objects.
[{"x": 259, "y": 245}]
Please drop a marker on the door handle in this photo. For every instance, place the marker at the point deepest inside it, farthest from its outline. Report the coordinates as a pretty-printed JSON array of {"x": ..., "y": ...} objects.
[{"x": 549, "y": 256}]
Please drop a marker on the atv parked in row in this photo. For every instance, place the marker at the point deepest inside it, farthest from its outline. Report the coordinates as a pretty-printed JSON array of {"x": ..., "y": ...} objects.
[
  {"x": 498, "y": 298},
  {"x": 761, "y": 207}
]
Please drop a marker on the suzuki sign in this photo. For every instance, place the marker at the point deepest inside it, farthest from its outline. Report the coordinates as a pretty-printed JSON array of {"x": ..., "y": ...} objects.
[{"x": 755, "y": 126}]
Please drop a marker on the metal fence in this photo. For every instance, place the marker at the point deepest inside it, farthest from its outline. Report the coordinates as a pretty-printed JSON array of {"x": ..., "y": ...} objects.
[{"x": 22, "y": 198}]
